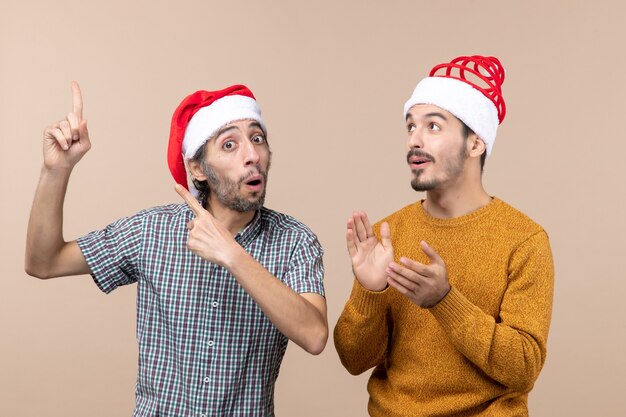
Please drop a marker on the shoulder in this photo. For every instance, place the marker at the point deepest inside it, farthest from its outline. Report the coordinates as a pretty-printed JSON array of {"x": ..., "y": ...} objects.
[
  {"x": 135, "y": 228},
  {"x": 509, "y": 226},
  {"x": 514, "y": 220},
  {"x": 169, "y": 210},
  {"x": 164, "y": 213},
  {"x": 154, "y": 217},
  {"x": 277, "y": 223},
  {"x": 408, "y": 212}
]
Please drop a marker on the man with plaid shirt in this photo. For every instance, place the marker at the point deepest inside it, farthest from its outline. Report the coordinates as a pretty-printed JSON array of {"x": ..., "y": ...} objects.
[{"x": 222, "y": 281}]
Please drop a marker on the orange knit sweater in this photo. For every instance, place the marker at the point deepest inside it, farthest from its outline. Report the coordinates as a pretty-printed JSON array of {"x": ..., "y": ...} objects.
[{"x": 479, "y": 351}]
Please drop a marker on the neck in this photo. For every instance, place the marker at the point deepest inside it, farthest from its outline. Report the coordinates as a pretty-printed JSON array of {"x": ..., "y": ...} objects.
[
  {"x": 456, "y": 200},
  {"x": 232, "y": 220}
]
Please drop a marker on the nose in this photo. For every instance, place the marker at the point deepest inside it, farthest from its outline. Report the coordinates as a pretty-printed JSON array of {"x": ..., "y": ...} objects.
[
  {"x": 251, "y": 155},
  {"x": 415, "y": 140}
]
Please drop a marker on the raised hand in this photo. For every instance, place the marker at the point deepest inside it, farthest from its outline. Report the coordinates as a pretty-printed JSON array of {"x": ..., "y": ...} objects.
[
  {"x": 208, "y": 238},
  {"x": 66, "y": 141},
  {"x": 425, "y": 285},
  {"x": 370, "y": 257}
]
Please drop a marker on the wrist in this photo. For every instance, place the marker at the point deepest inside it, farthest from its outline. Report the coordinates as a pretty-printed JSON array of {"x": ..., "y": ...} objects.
[
  {"x": 375, "y": 288},
  {"x": 444, "y": 293},
  {"x": 54, "y": 179},
  {"x": 56, "y": 172},
  {"x": 235, "y": 257}
]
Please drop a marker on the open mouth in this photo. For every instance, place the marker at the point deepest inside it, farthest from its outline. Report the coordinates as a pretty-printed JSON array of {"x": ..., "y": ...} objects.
[
  {"x": 417, "y": 159},
  {"x": 418, "y": 162},
  {"x": 254, "y": 182}
]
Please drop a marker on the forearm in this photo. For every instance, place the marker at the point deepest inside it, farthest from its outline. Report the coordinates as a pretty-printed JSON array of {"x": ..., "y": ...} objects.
[
  {"x": 513, "y": 356},
  {"x": 300, "y": 319},
  {"x": 361, "y": 333}
]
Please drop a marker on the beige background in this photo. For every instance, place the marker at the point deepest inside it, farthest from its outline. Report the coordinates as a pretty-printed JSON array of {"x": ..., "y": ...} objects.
[{"x": 331, "y": 78}]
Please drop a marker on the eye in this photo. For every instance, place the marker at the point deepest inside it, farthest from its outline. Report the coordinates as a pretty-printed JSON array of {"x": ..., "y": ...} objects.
[
  {"x": 258, "y": 139},
  {"x": 228, "y": 145},
  {"x": 410, "y": 127},
  {"x": 434, "y": 126}
]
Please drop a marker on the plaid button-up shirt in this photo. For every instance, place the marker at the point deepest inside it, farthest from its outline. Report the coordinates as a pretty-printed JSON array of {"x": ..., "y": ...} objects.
[{"x": 205, "y": 347}]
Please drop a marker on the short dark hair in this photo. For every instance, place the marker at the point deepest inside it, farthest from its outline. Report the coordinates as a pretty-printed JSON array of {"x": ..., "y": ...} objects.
[
  {"x": 202, "y": 186},
  {"x": 466, "y": 133}
]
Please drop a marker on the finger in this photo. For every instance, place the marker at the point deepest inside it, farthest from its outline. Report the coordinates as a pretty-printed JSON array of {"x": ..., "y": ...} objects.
[
  {"x": 432, "y": 254},
  {"x": 190, "y": 225},
  {"x": 67, "y": 132},
  {"x": 366, "y": 223},
  {"x": 350, "y": 238},
  {"x": 77, "y": 100},
  {"x": 403, "y": 271},
  {"x": 191, "y": 201},
  {"x": 74, "y": 125},
  {"x": 403, "y": 281},
  {"x": 401, "y": 289},
  {"x": 59, "y": 137},
  {"x": 385, "y": 236},
  {"x": 417, "y": 267},
  {"x": 361, "y": 233}
]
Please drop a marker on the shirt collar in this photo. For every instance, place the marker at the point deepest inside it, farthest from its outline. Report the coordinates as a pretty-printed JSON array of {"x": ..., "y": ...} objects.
[{"x": 245, "y": 236}]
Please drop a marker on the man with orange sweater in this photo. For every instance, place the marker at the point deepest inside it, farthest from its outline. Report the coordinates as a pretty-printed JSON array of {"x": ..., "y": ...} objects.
[{"x": 452, "y": 299}]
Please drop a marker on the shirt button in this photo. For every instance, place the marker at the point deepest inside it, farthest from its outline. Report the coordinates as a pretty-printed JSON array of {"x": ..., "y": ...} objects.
[
  {"x": 214, "y": 304},
  {"x": 211, "y": 343},
  {"x": 207, "y": 379}
]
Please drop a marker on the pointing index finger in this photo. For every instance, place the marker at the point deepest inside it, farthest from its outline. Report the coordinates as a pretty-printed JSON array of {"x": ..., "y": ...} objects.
[
  {"x": 77, "y": 101},
  {"x": 191, "y": 201}
]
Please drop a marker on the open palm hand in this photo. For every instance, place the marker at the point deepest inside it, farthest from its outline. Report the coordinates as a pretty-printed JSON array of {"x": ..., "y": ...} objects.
[{"x": 370, "y": 256}]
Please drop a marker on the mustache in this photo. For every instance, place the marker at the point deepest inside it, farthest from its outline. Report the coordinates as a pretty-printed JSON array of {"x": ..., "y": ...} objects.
[
  {"x": 419, "y": 153},
  {"x": 257, "y": 170}
]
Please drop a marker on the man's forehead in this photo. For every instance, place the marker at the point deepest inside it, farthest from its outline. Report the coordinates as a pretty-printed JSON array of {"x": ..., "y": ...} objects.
[{"x": 242, "y": 123}]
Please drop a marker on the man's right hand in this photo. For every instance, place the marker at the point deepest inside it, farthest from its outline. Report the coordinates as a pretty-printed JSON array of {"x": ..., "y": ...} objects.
[
  {"x": 48, "y": 255},
  {"x": 370, "y": 257},
  {"x": 65, "y": 142}
]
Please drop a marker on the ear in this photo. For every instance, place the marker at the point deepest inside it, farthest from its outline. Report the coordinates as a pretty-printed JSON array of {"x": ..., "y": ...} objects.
[
  {"x": 476, "y": 146},
  {"x": 196, "y": 170}
]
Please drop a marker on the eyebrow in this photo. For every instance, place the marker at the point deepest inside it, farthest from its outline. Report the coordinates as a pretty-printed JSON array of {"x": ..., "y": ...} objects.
[
  {"x": 224, "y": 130},
  {"x": 431, "y": 114},
  {"x": 255, "y": 124},
  {"x": 436, "y": 114}
]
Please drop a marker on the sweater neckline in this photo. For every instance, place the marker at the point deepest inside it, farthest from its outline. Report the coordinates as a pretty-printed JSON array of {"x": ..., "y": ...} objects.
[{"x": 455, "y": 221}]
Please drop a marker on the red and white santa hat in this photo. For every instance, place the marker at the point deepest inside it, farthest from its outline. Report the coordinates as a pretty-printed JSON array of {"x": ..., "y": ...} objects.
[
  {"x": 469, "y": 87},
  {"x": 198, "y": 117}
]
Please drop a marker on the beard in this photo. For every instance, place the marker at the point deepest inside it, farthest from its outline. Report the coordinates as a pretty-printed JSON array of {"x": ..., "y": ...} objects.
[
  {"x": 452, "y": 169},
  {"x": 228, "y": 192}
]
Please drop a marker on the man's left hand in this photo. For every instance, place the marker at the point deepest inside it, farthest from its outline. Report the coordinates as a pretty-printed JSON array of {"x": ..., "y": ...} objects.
[
  {"x": 208, "y": 238},
  {"x": 424, "y": 285}
]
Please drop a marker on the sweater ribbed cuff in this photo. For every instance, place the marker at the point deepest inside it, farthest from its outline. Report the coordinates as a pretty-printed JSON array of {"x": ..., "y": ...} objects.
[
  {"x": 366, "y": 302},
  {"x": 453, "y": 310}
]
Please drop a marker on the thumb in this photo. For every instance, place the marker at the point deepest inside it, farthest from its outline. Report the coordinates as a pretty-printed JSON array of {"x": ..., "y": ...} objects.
[
  {"x": 84, "y": 134},
  {"x": 385, "y": 236},
  {"x": 432, "y": 254}
]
